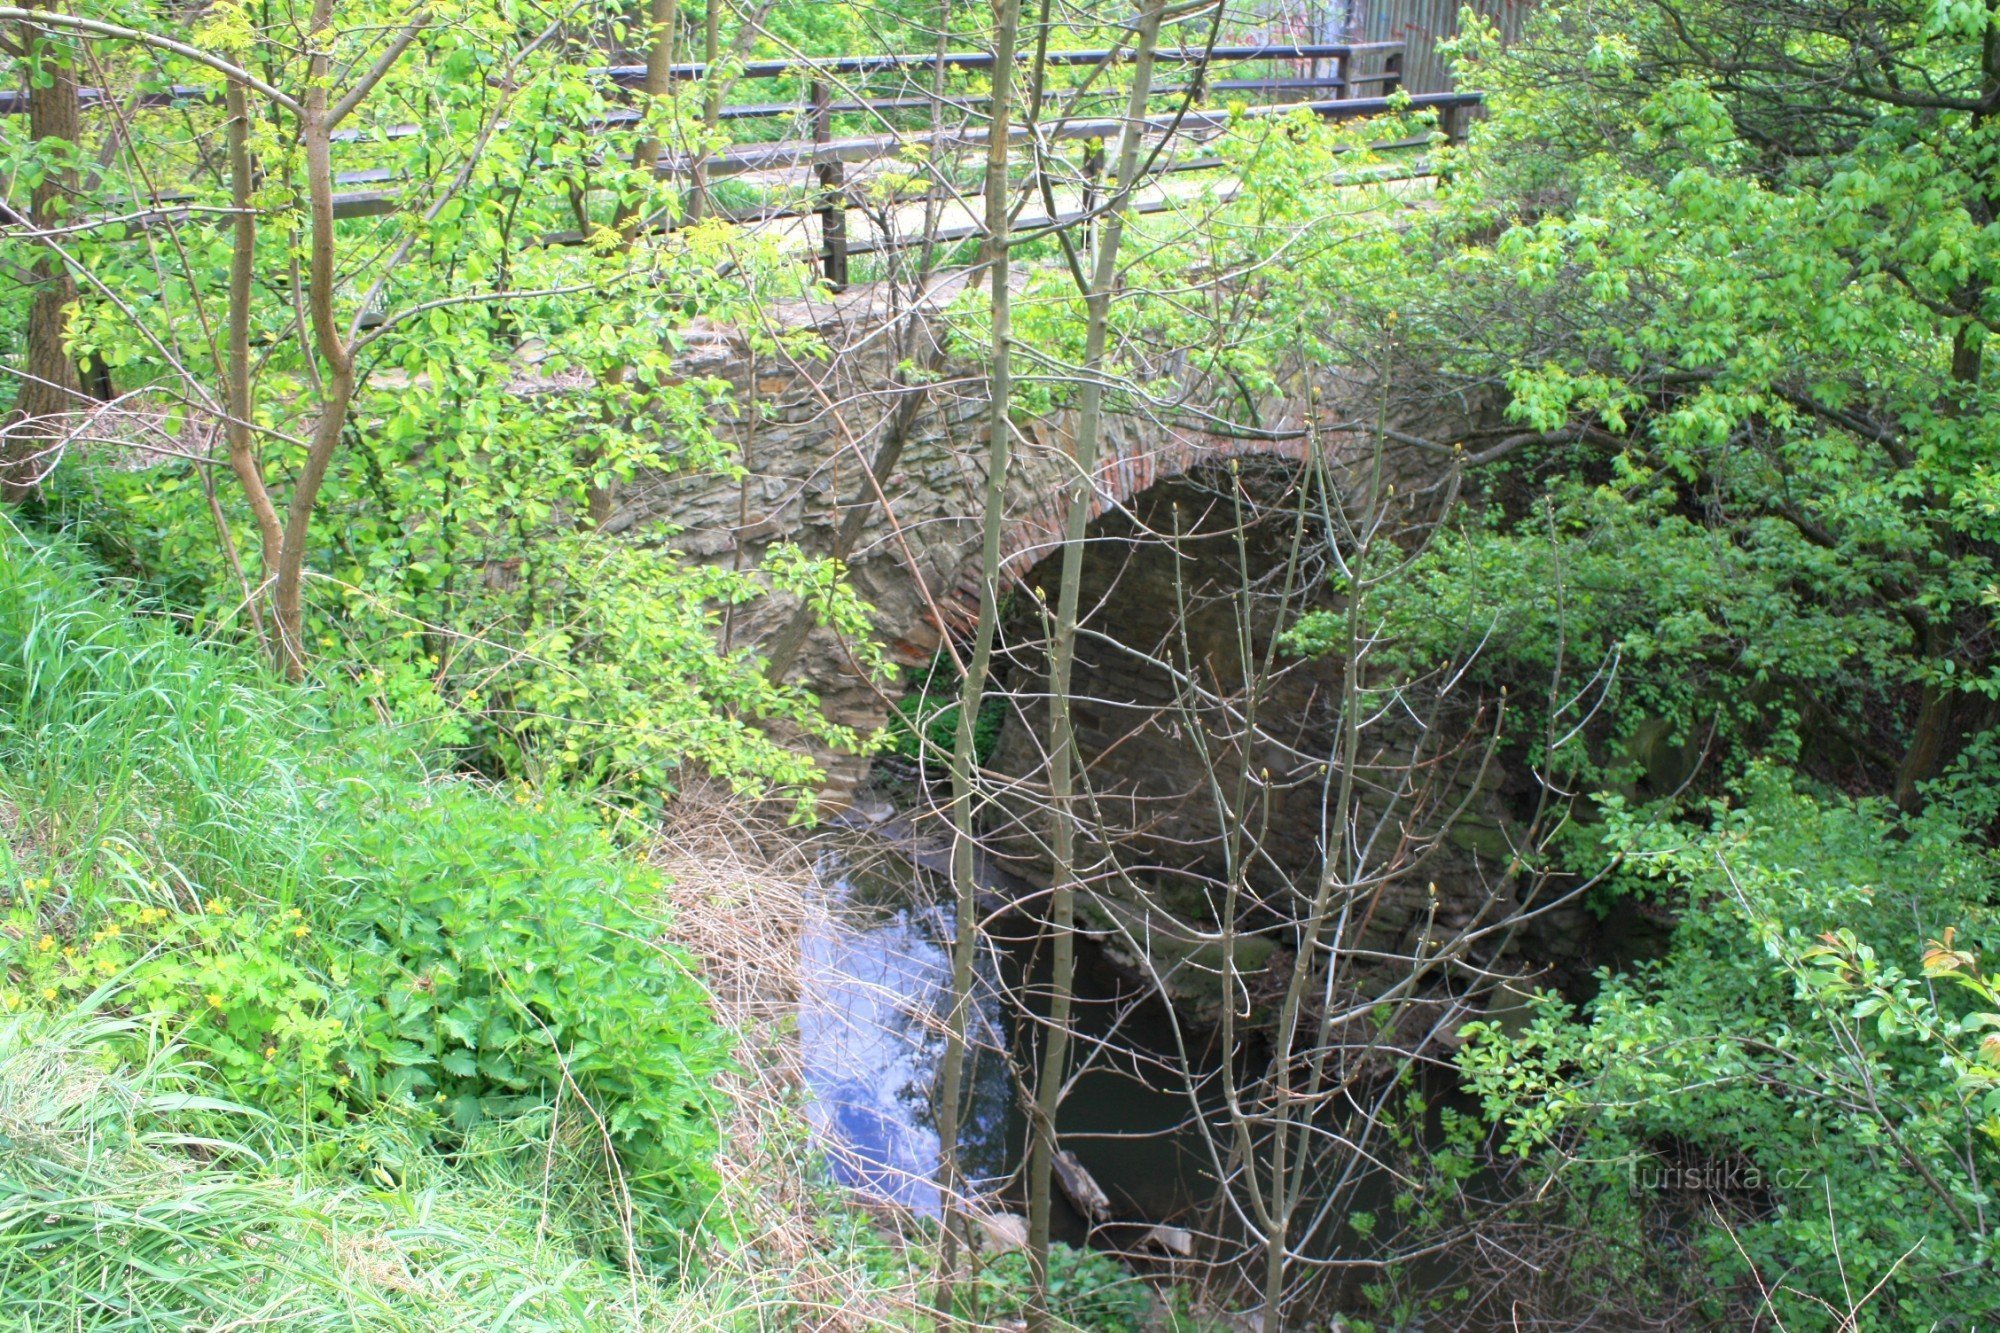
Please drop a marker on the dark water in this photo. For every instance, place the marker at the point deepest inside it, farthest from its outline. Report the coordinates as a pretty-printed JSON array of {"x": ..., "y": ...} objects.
[
  {"x": 876, "y": 982},
  {"x": 1142, "y": 1109},
  {"x": 877, "y": 976}
]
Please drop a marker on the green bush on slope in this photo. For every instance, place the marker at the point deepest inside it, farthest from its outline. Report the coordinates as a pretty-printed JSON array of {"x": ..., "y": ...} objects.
[
  {"x": 332, "y": 932},
  {"x": 1802, "y": 1035},
  {"x": 129, "y": 1200}
]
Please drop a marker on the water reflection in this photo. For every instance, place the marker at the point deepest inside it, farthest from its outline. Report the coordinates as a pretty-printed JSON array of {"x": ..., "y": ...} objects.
[{"x": 876, "y": 985}]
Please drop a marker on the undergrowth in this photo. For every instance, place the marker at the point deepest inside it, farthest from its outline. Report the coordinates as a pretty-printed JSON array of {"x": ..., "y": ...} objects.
[
  {"x": 299, "y": 1029},
  {"x": 131, "y": 1198}
]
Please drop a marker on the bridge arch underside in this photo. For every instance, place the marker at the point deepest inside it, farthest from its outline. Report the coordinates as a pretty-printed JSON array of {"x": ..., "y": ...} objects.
[{"x": 1207, "y": 749}]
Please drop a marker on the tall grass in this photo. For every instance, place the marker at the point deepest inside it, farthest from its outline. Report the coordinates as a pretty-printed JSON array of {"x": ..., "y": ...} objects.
[
  {"x": 136, "y": 747},
  {"x": 125, "y": 1204},
  {"x": 148, "y": 777}
]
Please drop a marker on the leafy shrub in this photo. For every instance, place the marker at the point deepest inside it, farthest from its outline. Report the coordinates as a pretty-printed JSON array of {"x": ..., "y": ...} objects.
[
  {"x": 507, "y": 960},
  {"x": 331, "y": 929},
  {"x": 1086, "y": 1290},
  {"x": 1780, "y": 1036}
]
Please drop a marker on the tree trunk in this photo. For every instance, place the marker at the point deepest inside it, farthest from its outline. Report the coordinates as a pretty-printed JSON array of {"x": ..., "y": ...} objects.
[
  {"x": 1062, "y": 656},
  {"x": 337, "y": 391},
  {"x": 244, "y": 459},
  {"x": 972, "y": 687},
  {"x": 51, "y": 389},
  {"x": 1930, "y": 737}
]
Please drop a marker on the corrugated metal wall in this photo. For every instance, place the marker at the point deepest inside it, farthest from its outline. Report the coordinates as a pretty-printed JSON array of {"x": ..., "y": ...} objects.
[{"x": 1421, "y": 25}]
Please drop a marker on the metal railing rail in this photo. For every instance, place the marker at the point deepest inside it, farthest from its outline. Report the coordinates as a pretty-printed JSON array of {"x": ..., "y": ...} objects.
[
  {"x": 14, "y": 103},
  {"x": 375, "y": 192}
]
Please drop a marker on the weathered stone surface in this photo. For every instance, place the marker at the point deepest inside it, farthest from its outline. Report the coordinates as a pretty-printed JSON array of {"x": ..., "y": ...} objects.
[
  {"x": 806, "y": 428},
  {"x": 807, "y": 424}
]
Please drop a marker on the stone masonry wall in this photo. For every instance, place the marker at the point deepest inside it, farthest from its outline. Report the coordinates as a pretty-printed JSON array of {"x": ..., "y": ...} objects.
[{"x": 808, "y": 420}]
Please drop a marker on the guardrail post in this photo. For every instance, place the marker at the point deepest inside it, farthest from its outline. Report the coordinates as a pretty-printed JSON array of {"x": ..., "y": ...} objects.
[
  {"x": 1343, "y": 70},
  {"x": 1451, "y": 120},
  {"x": 1392, "y": 72},
  {"x": 1093, "y": 171},
  {"x": 831, "y": 177}
]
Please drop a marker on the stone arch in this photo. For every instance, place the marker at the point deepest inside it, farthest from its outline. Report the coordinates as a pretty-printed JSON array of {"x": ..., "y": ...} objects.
[
  {"x": 806, "y": 426},
  {"x": 1134, "y": 457}
]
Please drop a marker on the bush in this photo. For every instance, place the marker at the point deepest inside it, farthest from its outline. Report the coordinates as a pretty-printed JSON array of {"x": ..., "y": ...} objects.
[
  {"x": 1786, "y": 1046},
  {"x": 508, "y": 962},
  {"x": 1087, "y": 1290},
  {"x": 332, "y": 929}
]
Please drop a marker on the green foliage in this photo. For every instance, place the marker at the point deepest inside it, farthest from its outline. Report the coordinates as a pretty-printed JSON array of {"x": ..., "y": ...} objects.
[
  {"x": 1728, "y": 293},
  {"x": 131, "y": 1198},
  {"x": 926, "y": 718},
  {"x": 504, "y": 385},
  {"x": 510, "y": 961},
  {"x": 1700, "y": 640},
  {"x": 1787, "y": 1030},
  {"x": 631, "y": 686},
  {"x": 1303, "y": 198},
  {"x": 333, "y": 930},
  {"x": 1087, "y": 1290}
]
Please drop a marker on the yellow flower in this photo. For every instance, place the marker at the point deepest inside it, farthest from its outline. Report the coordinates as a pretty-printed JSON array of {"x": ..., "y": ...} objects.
[
  {"x": 299, "y": 932},
  {"x": 46, "y": 943},
  {"x": 270, "y": 1052},
  {"x": 214, "y": 1000},
  {"x": 48, "y": 992}
]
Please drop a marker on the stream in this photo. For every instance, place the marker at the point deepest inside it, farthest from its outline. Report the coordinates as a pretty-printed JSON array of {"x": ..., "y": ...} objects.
[{"x": 876, "y": 981}]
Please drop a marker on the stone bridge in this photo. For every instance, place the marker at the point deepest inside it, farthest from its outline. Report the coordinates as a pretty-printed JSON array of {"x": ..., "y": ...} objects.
[{"x": 807, "y": 426}]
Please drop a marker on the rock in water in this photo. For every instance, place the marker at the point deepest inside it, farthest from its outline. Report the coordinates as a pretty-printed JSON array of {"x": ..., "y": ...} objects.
[{"x": 1083, "y": 1192}]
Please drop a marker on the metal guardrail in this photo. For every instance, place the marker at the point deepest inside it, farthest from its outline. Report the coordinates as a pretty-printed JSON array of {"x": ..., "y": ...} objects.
[
  {"x": 630, "y": 76},
  {"x": 744, "y": 159},
  {"x": 827, "y": 157}
]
